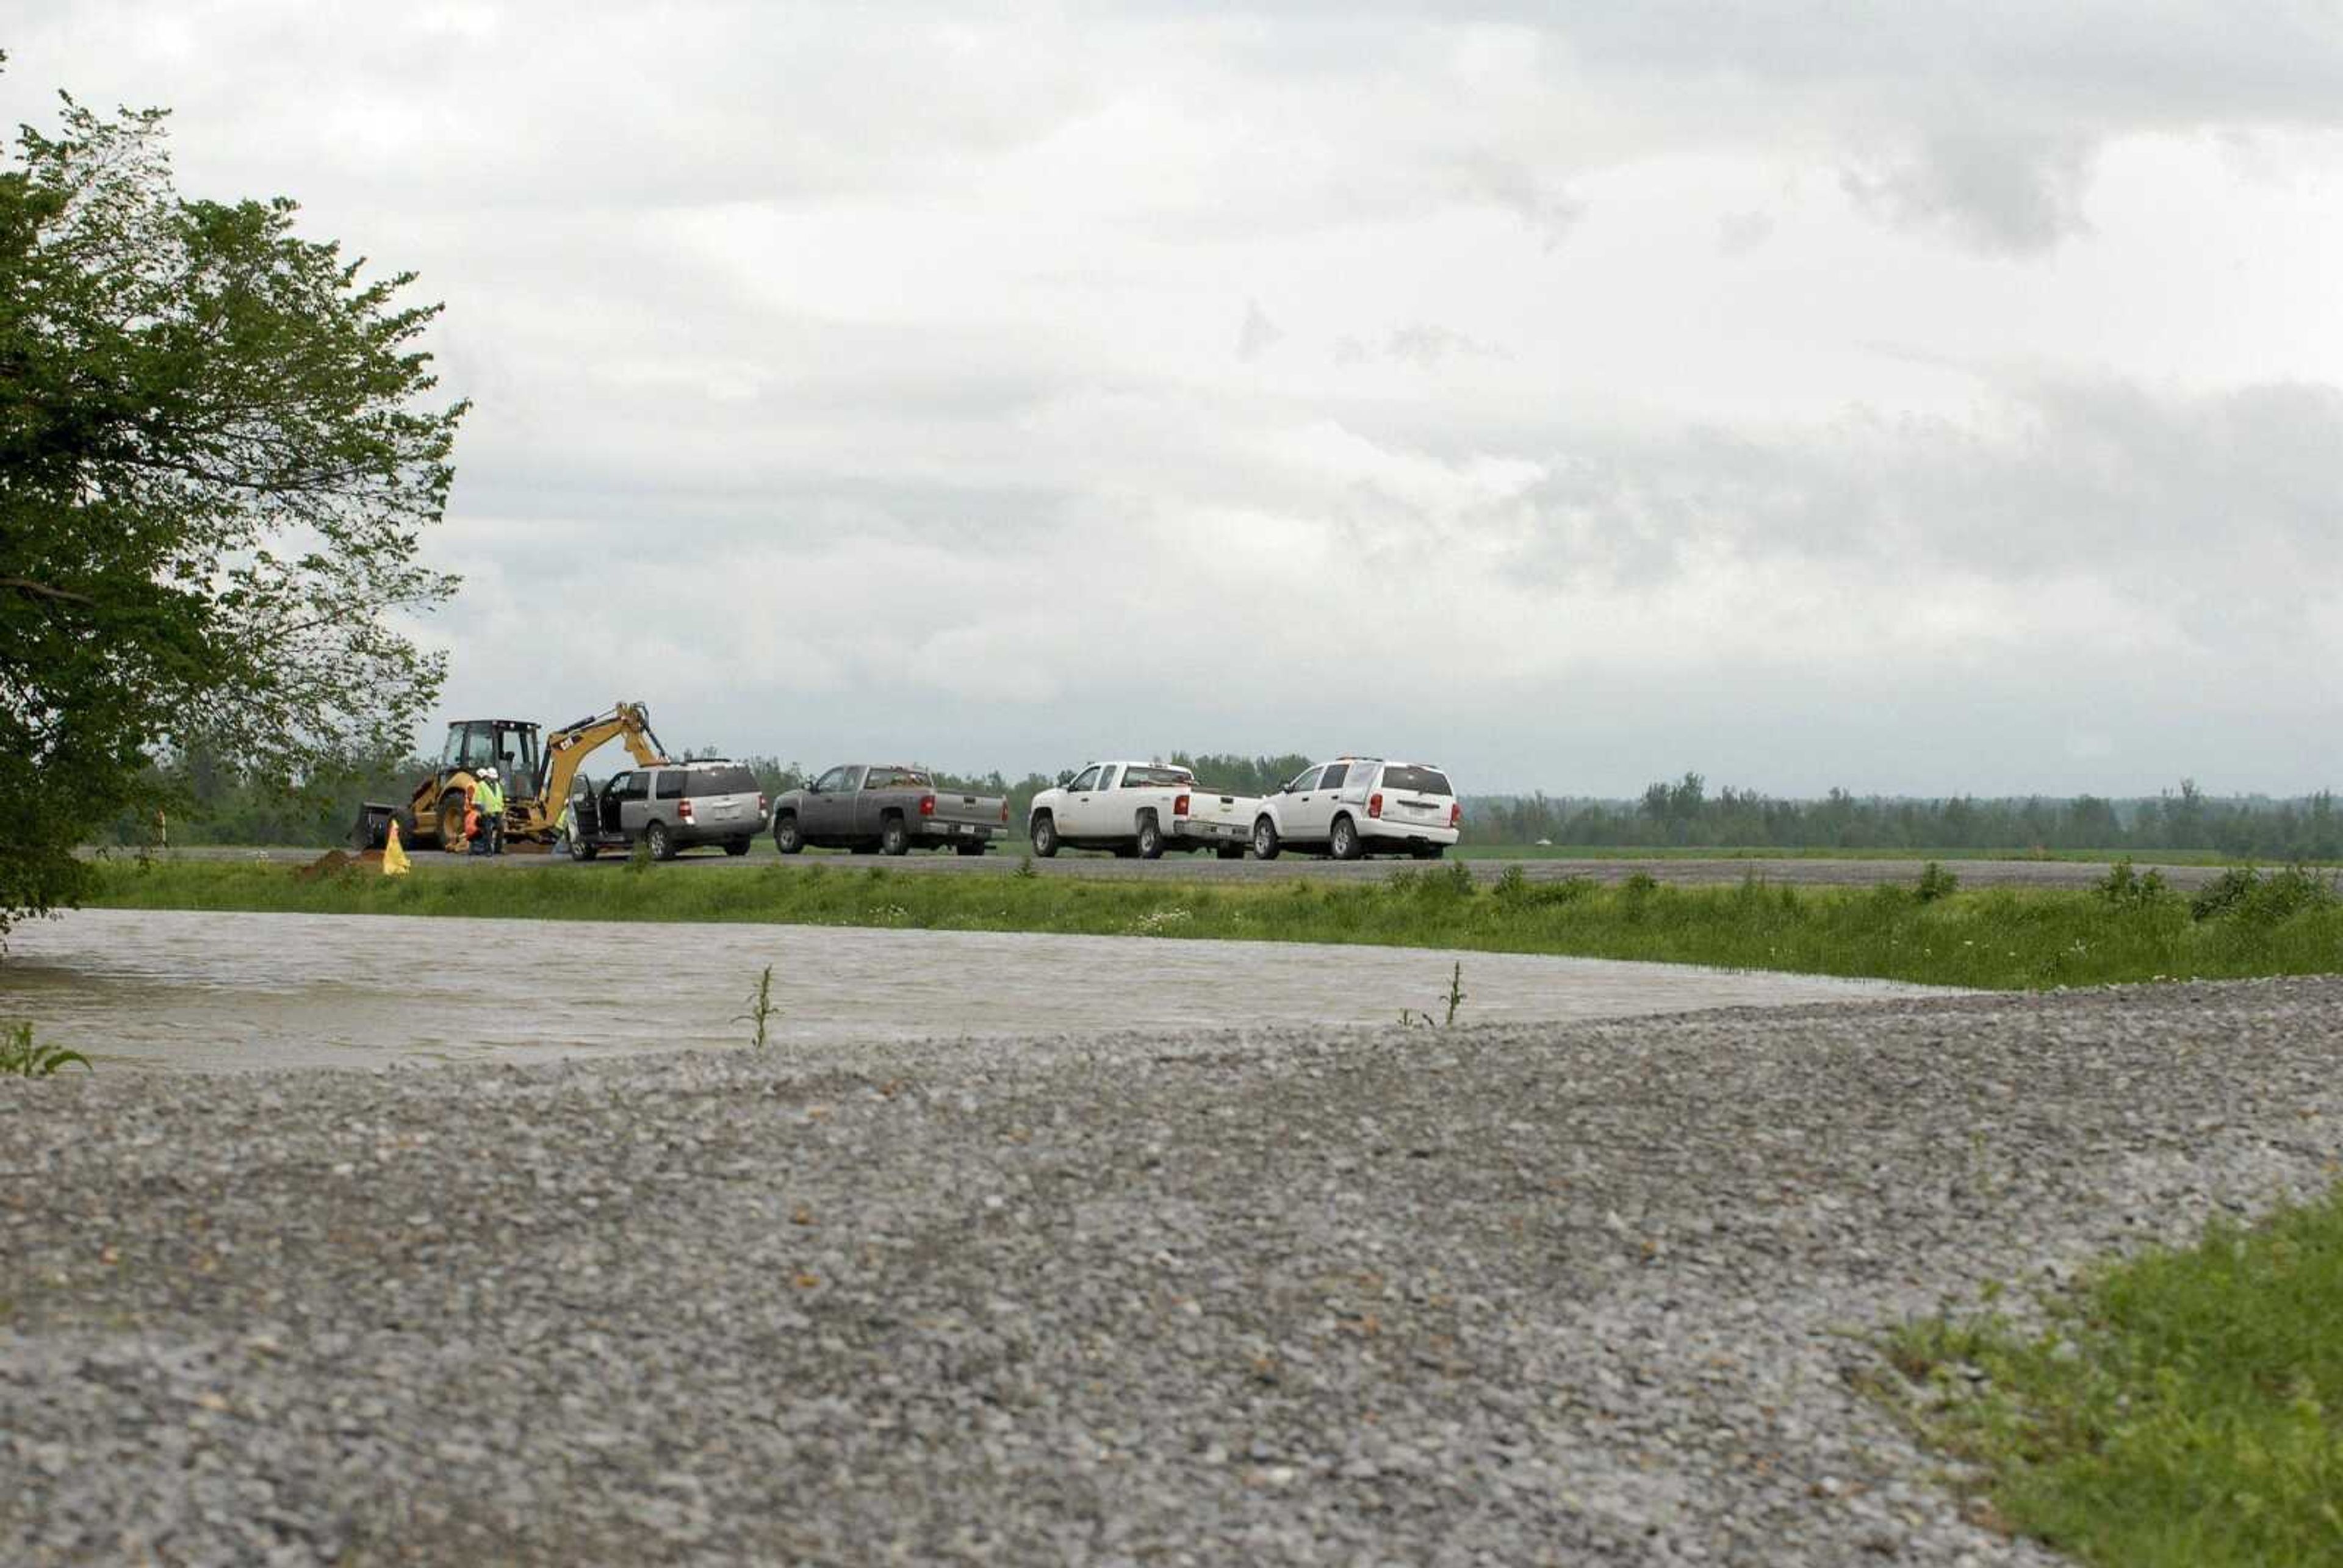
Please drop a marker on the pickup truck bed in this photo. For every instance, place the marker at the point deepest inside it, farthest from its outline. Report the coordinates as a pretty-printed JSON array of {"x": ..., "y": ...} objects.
[
  {"x": 1139, "y": 809},
  {"x": 865, "y": 807}
]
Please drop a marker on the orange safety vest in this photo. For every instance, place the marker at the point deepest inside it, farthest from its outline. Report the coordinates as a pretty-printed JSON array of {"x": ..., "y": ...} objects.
[{"x": 471, "y": 820}]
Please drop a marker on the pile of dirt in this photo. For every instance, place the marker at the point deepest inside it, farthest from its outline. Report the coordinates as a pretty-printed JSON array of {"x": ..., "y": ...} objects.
[{"x": 334, "y": 860}]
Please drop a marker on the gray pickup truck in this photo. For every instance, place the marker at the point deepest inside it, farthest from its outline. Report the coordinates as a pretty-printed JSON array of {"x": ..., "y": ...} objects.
[{"x": 864, "y": 807}]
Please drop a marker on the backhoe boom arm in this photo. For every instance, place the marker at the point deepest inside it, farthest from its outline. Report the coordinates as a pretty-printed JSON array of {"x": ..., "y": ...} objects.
[{"x": 566, "y": 748}]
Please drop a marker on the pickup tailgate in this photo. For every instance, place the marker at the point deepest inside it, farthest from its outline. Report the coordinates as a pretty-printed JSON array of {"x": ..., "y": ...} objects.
[
  {"x": 955, "y": 811},
  {"x": 1216, "y": 815}
]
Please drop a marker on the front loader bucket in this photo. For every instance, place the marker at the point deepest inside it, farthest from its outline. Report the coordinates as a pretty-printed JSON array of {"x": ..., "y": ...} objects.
[{"x": 372, "y": 829}]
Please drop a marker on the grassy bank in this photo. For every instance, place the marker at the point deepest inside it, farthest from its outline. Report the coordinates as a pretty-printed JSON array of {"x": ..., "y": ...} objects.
[
  {"x": 2183, "y": 1409},
  {"x": 1999, "y": 939},
  {"x": 1471, "y": 851}
]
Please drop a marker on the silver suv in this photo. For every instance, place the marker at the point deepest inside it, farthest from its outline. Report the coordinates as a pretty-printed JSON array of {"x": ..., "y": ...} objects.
[{"x": 670, "y": 807}]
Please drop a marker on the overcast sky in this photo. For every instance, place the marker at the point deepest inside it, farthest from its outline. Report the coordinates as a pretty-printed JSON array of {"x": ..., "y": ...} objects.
[{"x": 1913, "y": 400}]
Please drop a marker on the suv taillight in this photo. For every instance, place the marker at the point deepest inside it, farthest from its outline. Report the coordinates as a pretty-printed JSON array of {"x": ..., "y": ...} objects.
[
  {"x": 926, "y": 805},
  {"x": 1456, "y": 813},
  {"x": 764, "y": 807},
  {"x": 1179, "y": 806},
  {"x": 1375, "y": 804},
  {"x": 683, "y": 809}
]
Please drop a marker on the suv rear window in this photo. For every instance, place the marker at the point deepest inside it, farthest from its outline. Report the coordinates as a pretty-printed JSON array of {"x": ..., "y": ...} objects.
[
  {"x": 732, "y": 780},
  {"x": 1417, "y": 780}
]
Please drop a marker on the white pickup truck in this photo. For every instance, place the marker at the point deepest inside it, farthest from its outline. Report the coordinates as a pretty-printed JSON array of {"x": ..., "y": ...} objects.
[{"x": 1140, "y": 809}]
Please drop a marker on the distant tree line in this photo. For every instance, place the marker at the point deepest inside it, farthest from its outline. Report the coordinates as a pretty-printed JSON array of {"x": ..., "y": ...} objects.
[
  {"x": 231, "y": 806},
  {"x": 1683, "y": 813}
]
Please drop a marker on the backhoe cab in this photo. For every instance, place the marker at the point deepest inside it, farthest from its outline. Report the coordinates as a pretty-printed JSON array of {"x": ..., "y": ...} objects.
[{"x": 536, "y": 780}]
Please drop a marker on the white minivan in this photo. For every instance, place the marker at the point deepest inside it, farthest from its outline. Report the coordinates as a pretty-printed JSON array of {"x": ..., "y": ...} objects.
[{"x": 1358, "y": 806}]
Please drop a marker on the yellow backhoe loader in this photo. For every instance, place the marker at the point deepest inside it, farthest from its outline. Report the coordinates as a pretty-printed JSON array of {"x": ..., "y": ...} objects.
[{"x": 536, "y": 782}]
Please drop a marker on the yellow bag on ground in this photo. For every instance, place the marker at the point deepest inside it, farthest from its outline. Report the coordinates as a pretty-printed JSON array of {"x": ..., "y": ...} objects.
[{"x": 394, "y": 858}]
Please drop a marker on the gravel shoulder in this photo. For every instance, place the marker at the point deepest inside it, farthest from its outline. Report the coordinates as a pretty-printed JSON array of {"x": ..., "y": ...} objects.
[{"x": 1501, "y": 1294}]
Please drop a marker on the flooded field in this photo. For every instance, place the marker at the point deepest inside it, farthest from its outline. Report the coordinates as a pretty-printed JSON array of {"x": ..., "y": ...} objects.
[{"x": 211, "y": 991}]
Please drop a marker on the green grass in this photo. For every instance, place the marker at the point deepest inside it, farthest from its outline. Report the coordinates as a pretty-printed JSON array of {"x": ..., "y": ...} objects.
[
  {"x": 1472, "y": 851},
  {"x": 2182, "y": 1410},
  {"x": 1997, "y": 939}
]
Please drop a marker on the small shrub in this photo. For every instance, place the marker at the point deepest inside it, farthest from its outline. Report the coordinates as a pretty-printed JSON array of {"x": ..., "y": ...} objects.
[
  {"x": 2224, "y": 892},
  {"x": 1402, "y": 881},
  {"x": 1025, "y": 866},
  {"x": 1512, "y": 887},
  {"x": 21, "y": 1056},
  {"x": 1935, "y": 883},
  {"x": 1564, "y": 890},
  {"x": 2282, "y": 895},
  {"x": 638, "y": 859},
  {"x": 2125, "y": 888},
  {"x": 1640, "y": 885},
  {"x": 1455, "y": 881}
]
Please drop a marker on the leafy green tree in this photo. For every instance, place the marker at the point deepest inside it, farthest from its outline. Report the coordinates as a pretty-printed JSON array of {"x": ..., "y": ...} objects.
[{"x": 216, "y": 465}]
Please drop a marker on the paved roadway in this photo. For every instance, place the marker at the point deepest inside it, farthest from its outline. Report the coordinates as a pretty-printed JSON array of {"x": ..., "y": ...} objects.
[{"x": 1805, "y": 872}]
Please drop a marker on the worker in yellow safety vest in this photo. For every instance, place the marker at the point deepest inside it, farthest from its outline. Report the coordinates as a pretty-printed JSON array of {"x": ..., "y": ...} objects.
[{"x": 492, "y": 811}]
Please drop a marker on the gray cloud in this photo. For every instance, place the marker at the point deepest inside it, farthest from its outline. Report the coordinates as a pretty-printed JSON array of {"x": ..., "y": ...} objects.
[
  {"x": 1259, "y": 333},
  {"x": 891, "y": 353},
  {"x": 2015, "y": 194},
  {"x": 1744, "y": 233}
]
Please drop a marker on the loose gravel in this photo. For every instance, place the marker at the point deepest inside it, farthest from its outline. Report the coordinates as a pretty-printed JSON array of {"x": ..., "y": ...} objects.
[{"x": 1495, "y": 1294}]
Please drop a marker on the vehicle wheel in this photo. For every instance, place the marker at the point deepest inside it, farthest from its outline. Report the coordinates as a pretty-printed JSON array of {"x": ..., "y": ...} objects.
[
  {"x": 581, "y": 848},
  {"x": 894, "y": 838},
  {"x": 662, "y": 840},
  {"x": 1344, "y": 843},
  {"x": 404, "y": 821},
  {"x": 1230, "y": 851},
  {"x": 1264, "y": 840},
  {"x": 451, "y": 822},
  {"x": 736, "y": 846},
  {"x": 1045, "y": 836},
  {"x": 974, "y": 847},
  {"x": 1427, "y": 851},
  {"x": 787, "y": 837},
  {"x": 1150, "y": 839}
]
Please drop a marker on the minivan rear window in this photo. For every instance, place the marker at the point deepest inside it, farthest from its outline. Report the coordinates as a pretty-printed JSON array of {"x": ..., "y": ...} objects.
[
  {"x": 1417, "y": 780},
  {"x": 735, "y": 780}
]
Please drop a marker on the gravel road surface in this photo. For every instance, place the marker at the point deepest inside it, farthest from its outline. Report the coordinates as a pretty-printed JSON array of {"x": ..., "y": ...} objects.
[
  {"x": 1855, "y": 873},
  {"x": 1501, "y": 1294},
  {"x": 201, "y": 990}
]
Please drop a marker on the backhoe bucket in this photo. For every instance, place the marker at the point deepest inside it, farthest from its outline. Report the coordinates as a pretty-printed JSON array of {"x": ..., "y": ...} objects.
[{"x": 372, "y": 829}]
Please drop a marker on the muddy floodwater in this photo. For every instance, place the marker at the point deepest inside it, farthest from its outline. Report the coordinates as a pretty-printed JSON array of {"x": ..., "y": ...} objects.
[{"x": 211, "y": 991}]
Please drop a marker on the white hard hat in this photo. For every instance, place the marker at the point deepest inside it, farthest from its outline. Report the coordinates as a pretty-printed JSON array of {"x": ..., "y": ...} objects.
[{"x": 488, "y": 772}]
